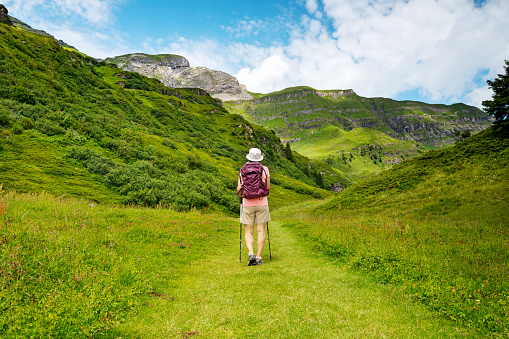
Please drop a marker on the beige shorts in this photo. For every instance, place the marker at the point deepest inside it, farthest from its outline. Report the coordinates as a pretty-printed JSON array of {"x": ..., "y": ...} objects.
[{"x": 255, "y": 214}]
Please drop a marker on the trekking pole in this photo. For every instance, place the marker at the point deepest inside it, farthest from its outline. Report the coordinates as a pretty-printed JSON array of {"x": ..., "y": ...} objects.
[
  {"x": 268, "y": 238},
  {"x": 240, "y": 236}
]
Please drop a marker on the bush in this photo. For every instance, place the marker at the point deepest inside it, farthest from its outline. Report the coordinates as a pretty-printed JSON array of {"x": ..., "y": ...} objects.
[
  {"x": 93, "y": 161},
  {"x": 21, "y": 94},
  {"x": 5, "y": 119},
  {"x": 17, "y": 128},
  {"x": 49, "y": 128},
  {"x": 27, "y": 123},
  {"x": 169, "y": 143}
]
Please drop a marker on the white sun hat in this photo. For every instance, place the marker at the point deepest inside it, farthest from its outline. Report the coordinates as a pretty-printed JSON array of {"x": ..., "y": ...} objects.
[{"x": 254, "y": 155}]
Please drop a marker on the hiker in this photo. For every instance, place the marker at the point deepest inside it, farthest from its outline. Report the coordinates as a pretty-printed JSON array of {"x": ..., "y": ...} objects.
[{"x": 254, "y": 210}]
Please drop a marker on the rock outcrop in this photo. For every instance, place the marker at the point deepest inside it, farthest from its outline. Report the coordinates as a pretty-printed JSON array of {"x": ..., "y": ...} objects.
[
  {"x": 175, "y": 71},
  {"x": 4, "y": 16},
  {"x": 20, "y": 24}
]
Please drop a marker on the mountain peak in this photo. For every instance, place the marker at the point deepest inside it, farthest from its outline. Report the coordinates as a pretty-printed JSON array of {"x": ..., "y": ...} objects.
[{"x": 175, "y": 71}]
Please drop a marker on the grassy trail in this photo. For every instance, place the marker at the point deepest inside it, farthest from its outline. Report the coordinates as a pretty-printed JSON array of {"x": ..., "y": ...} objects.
[{"x": 296, "y": 295}]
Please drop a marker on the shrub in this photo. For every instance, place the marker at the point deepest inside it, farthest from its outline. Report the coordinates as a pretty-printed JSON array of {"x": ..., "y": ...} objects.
[
  {"x": 21, "y": 94},
  {"x": 27, "y": 123},
  {"x": 93, "y": 161},
  {"x": 49, "y": 128},
  {"x": 17, "y": 128},
  {"x": 5, "y": 119},
  {"x": 169, "y": 143}
]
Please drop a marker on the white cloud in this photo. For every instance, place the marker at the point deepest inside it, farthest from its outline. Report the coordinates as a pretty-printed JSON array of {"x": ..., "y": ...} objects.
[
  {"x": 311, "y": 6},
  {"x": 246, "y": 27},
  {"x": 97, "y": 12},
  {"x": 273, "y": 71},
  {"x": 477, "y": 96},
  {"x": 382, "y": 48},
  {"x": 86, "y": 25}
]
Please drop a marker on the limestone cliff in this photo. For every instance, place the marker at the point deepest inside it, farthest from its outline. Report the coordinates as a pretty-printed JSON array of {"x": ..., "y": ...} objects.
[{"x": 175, "y": 71}]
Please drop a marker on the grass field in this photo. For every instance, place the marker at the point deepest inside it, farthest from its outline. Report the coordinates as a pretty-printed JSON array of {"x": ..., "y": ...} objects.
[
  {"x": 357, "y": 153},
  {"x": 74, "y": 270},
  {"x": 436, "y": 225}
]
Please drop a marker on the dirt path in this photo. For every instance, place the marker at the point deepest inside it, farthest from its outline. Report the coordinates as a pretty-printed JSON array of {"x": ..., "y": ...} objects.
[{"x": 296, "y": 295}]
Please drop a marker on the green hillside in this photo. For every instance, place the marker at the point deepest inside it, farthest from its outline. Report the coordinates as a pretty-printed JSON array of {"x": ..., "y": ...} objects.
[
  {"x": 436, "y": 225},
  {"x": 359, "y": 152},
  {"x": 374, "y": 132},
  {"x": 73, "y": 125}
]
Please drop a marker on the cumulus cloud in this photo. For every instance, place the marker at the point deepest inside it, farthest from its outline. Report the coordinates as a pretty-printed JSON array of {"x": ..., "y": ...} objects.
[
  {"x": 311, "y": 6},
  {"x": 273, "y": 70},
  {"x": 383, "y": 48}
]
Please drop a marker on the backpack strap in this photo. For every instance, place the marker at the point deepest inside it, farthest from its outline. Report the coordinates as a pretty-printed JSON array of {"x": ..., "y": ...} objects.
[
  {"x": 239, "y": 192},
  {"x": 266, "y": 176}
]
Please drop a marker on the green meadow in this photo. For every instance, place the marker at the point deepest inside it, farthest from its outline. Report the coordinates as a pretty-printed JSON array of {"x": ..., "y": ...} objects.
[
  {"x": 74, "y": 270},
  {"x": 416, "y": 251},
  {"x": 357, "y": 153},
  {"x": 436, "y": 225}
]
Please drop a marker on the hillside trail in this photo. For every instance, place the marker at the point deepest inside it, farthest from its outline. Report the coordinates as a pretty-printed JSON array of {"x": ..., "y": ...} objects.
[{"x": 298, "y": 294}]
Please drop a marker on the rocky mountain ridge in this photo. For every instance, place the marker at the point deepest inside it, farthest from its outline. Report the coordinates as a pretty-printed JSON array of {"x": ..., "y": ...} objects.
[
  {"x": 4, "y": 16},
  {"x": 303, "y": 108},
  {"x": 175, "y": 71}
]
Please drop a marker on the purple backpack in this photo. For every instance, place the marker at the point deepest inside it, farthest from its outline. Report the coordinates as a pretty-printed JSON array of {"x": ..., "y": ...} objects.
[{"x": 251, "y": 178}]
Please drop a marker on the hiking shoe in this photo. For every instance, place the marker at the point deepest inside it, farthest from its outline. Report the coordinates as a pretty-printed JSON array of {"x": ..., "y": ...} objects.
[
  {"x": 251, "y": 260},
  {"x": 259, "y": 262}
]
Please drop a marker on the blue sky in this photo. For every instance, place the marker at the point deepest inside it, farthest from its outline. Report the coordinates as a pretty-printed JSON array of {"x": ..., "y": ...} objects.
[{"x": 436, "y": 51}]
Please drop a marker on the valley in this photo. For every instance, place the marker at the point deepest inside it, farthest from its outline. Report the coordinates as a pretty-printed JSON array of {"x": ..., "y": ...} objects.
[{"x": 119, "y": 218}]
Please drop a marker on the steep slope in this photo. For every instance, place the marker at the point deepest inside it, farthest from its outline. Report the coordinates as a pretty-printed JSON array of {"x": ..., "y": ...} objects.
[
  {"x": 475, "y": 171},
  {"x": 175, "y": 71},
  {"x": 73, "y": 125},
  {"x": 349, "y": 125}
]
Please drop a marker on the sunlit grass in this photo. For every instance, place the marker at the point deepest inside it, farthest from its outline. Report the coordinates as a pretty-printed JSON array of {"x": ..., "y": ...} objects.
[
  {"x": 71, "y": 269},
  {"x": 299, "y": 294},
  {"x": 437, "y": 226}
]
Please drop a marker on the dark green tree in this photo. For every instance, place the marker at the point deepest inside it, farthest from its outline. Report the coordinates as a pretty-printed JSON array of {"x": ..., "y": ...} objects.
[
  {"x": 288, "y": 153},
  {"x": 461, "y": 136},
  {"x": 466, "y": 134},
  {"x": 499, "y": 106},
  {"x": 319, "y": 179}
]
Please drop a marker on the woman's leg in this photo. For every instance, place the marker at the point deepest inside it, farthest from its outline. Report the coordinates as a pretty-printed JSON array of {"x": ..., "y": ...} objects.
[
  {"x": 249, "y": 237},
  {"x": 260, "y": 229}
]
